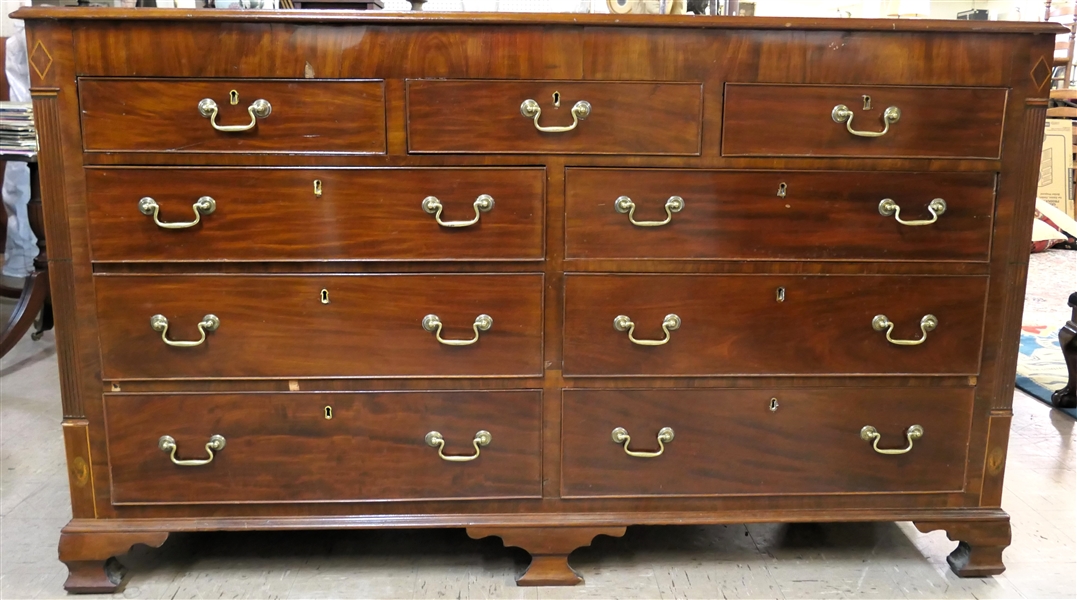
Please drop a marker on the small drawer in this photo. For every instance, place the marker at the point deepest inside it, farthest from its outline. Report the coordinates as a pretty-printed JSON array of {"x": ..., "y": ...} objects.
[
  {"x": 315, "y": 214},
  {"x": 554, "y": 117},
  {"x": 862, "y": 121},
  {"x": 700, "y": 325},
  {"x": 299, "y": 447},
  {"x": 242, "y": 115},
  {"x": 281, "y": 326},
  {"x": 774, "y": 215},
  {"x": 781, "y": 441}
]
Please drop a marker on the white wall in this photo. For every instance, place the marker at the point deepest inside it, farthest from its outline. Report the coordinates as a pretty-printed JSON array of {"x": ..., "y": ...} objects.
[{"x": 7, "y": 7}]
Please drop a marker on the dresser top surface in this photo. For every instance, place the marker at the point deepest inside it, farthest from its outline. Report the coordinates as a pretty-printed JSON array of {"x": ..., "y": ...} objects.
[{"x": 567, "y": 19}]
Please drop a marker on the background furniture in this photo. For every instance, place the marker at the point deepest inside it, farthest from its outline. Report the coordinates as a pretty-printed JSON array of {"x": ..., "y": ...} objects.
[
  {"x": 345, "y": 271},
  {"x": 1067, "y": 339},
  {"x": 34, "y": 299}
]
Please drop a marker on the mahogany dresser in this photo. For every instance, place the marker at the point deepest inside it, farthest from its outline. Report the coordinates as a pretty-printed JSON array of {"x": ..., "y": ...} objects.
[{"x": 541, "y": 277}]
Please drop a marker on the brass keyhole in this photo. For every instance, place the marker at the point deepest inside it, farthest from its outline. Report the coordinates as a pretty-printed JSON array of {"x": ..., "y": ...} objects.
[
  {"x": 779, "y": 295},
  {"x": 557, "y": 99},
  {"x": 782, "y": 188},
  {"x": 867, "y": 102},
  {"x": 317, "y": 188},
  {"x": 325, "y": 296},
  {"x": 233, "y": 97},
  {"x": 773, "y": 404},
  {"x": 328, "y": 412}
]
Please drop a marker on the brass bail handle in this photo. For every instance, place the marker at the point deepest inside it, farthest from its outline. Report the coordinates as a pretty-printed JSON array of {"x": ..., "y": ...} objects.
[
  {"x": 927, "y": 323},
  {"x": 482, "y": 439},
  {"x": 624, "y": 205},
  {"x": 484, "y": 203},
  {"x": 889, "y": 208},
  {"x": 259, "y": 109},
  {"x": 872, "y": 435},
  {"x": 671, "y": 323},
  {"x": 531, "y": 109},
  {"x": 159, "y": 323},
  {"x": 203, "y": 206},
  {"x": 842, "y": 114},
  {"x": 620, "y": 436},
  {"x": 432, "y": 323},
  {"x": 168, "y": 444}
]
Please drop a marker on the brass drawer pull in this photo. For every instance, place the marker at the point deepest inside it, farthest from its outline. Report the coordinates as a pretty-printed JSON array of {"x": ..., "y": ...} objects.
[
  {"x": 432, "y": 205},
  {"x": 482, "y": 323},
  {"x": 215, "y": 444},
  {"x": 889, "y": 208},
  {"x": 203, "y": 206},
  {"x": 208, "y": 323},
  {"x": 928, "y": 323},
  {"x": 842, "y": 114},
  {"x": 436, "y": 440},
  {"x": 531, "y": 109},
  {"x": 665, "y": 436},
  {"x": 870, "y": 434},
  {"x": 624, "y": 205},
  {"x": 670, "y": 323},
  {"x": 258, "y": 109}
]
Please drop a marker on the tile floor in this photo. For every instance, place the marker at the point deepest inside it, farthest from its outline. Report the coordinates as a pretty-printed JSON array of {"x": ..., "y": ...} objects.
[{"x": 861, "y": 560}]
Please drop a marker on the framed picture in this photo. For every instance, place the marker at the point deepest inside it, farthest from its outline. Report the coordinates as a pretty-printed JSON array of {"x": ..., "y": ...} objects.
[{"x": 746, "y": 9}]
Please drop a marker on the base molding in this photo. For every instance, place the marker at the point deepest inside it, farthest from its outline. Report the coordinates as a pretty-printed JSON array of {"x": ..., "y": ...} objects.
[{"x": 90, "y": 547}]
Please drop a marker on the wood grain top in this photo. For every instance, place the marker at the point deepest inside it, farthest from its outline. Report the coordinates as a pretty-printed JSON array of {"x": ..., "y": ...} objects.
[{"x": 604, "y": 20}]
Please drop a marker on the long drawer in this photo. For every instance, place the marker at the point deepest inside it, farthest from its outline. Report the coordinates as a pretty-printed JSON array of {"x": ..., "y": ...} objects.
[
  {"x": 862, "y": 121},
  {"x": 554, "y": 117},
  {"x": 319, "y": 326},
  {"x": 772, "y": 324},
  {"x": 764, "y": 441},
  {"x": 149, "y": 214},
  {"x": 776, "y": 215},
  {"x": 232, "y": 115},
  {"x": 300, "y": 447}
]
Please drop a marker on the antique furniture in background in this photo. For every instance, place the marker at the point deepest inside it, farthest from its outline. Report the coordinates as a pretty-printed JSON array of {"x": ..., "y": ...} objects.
[
  {"x": 34, "y": 298},
  {"x": 1067, "y": 340},
  {"x": 539, "y": 276}
]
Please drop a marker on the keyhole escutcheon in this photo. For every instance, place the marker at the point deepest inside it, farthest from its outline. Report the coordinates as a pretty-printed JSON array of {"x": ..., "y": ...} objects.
[
  {"x": 328, "y": 412},
  {"x": 233, "y": 97},
  {"x": 325, "y": 296}
]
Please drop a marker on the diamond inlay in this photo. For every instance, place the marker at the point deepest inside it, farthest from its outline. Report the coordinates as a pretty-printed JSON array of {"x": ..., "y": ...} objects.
[
  {"x": 1041, "y": 73},
  {"x": 40, "y": 59}
]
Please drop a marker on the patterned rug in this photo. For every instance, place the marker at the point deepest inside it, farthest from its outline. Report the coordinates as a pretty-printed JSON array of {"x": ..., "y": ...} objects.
[{"x": 1052, "y": 277}]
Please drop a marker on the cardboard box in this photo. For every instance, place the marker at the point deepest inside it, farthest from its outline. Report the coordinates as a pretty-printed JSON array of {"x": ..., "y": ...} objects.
[{"x": 1056, "y": 165}]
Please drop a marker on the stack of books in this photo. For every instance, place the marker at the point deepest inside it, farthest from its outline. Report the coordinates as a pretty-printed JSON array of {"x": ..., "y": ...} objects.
[{"x": 17, "y": 132}]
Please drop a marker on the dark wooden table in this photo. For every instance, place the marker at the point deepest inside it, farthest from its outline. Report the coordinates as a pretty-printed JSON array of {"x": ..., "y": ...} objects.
[{"x": 34, "y": 298}]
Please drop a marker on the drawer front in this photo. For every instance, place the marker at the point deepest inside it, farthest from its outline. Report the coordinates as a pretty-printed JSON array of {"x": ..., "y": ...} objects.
[
  {"x": 771, "y": 215},
  {"x": 282, "y": 448},
  {"x": 731, "y": 442},
  {"x": 316, "y": 214},
  {"x": 798, "y": 120},
  {"x": 285, "y": 326},
  {"x": 164, "y": 115},
  {"x": 487, "y": 117},
  {"x": 771, "y": 324}
]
